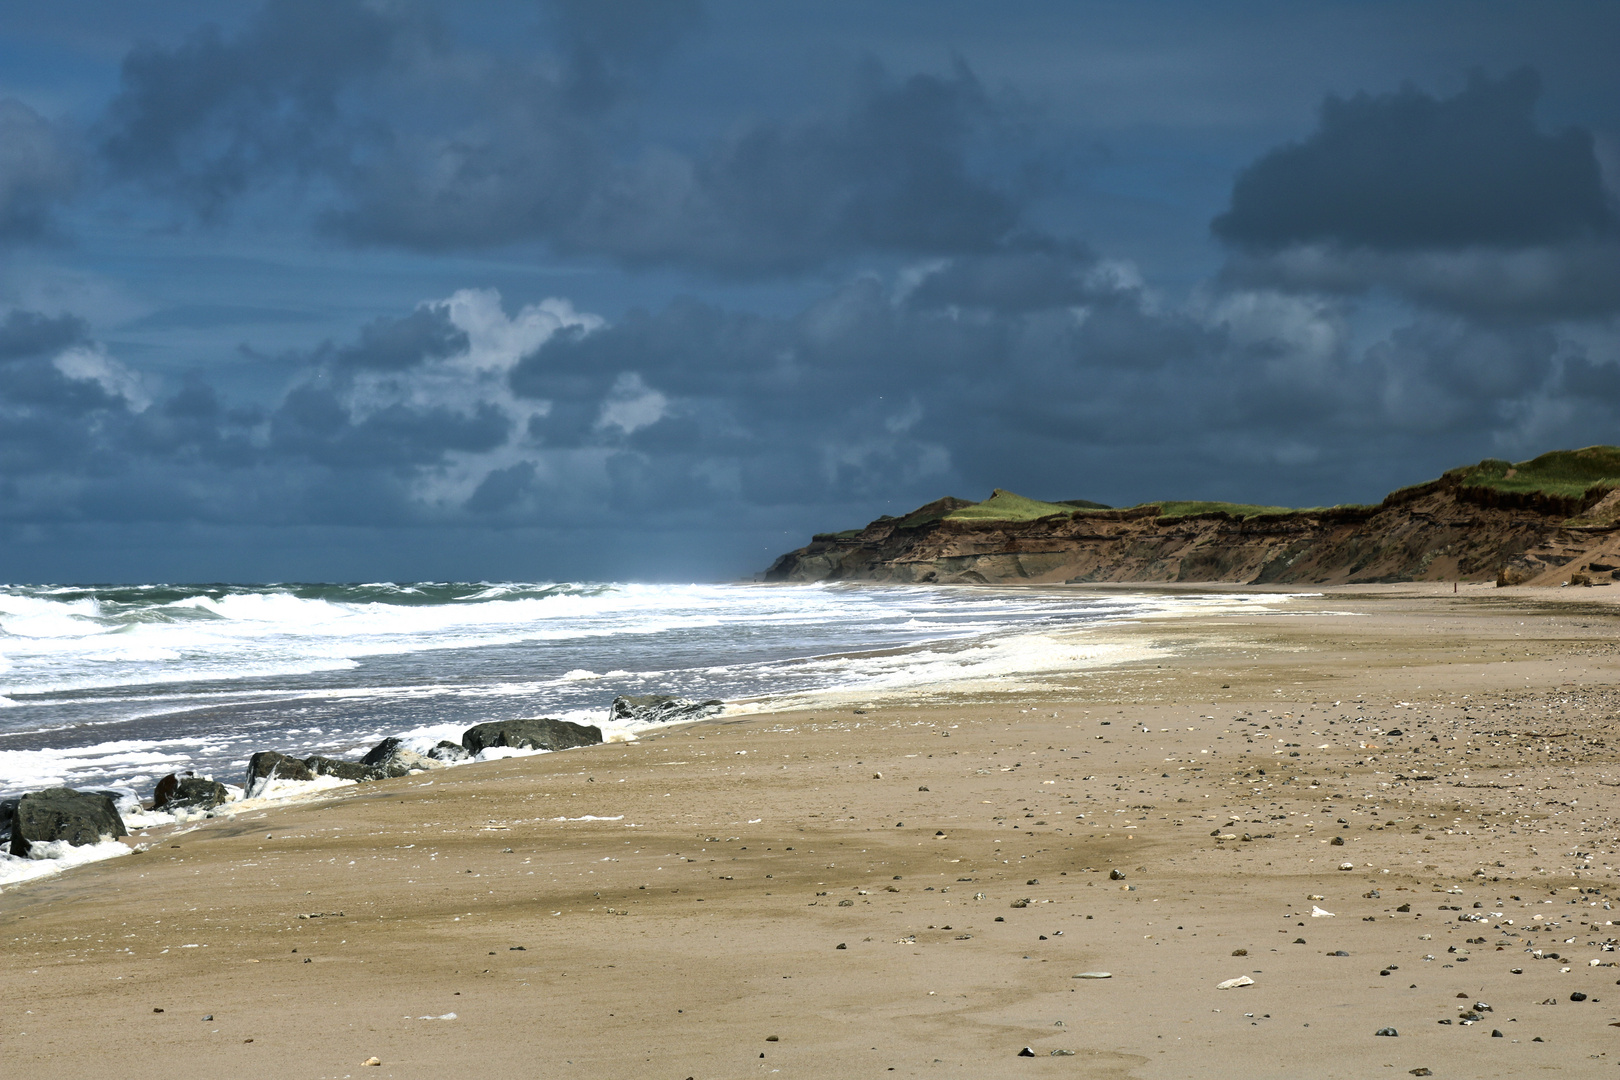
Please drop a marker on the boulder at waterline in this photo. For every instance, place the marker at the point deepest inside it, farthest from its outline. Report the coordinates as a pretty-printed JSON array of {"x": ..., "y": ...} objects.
[
  {"x": 530, "y": 733},
  {"x": 392, "y": 757},
  {"x": 188, "y": 792},
  {"x": 343, "y": 770},
  {"x": 79, "y": 817},
  {"x": 269, "y": 765},
  {"x": 449, "y": 752}
]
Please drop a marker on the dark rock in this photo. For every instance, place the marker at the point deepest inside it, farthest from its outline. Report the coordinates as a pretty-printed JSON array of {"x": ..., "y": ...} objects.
[
  {"x": 449, "y": 752},
  {"x": 661, "y": 709},
  {"x": 1496, "y": 1033},
  {"x": 1577, "y": 996},
  {"x": 1116, "y": 875},
  {"x": 1389, "y": 1031},
  {"x": 530, "y": 733},
  {"x": 7, "y": 808},
  {"x": 392, "y": 757},
  {"x": 188, "y": 793},
  {"x": 164, "y": 789},
  {"x": 269, "y": 765},
  {"x": 1026, "y": 1052},
  {"x": 79, "y": 817},
  {"x": 1395, "y": 731},
  {"x": 343, "y": 770}
]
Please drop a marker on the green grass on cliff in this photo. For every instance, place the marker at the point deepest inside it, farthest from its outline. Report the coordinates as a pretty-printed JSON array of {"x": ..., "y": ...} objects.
[
  {"x": 1568, "y": 473},
  {"x": 1005, "y": 506},
  {"x": 1565, "y": 473},
  {"x": 1237, "y": 510}
]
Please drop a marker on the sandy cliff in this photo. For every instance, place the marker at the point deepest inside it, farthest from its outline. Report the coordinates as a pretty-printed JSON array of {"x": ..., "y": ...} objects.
[{"x": 1453, "y": 528}]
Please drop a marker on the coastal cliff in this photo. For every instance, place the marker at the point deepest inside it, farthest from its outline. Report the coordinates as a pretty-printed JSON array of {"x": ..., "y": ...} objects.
[{"x": 1538, "y": 522}]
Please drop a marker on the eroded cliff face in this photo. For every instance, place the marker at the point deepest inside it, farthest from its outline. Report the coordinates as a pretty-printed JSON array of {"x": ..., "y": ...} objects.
[{"x": 1437, "y": 531}]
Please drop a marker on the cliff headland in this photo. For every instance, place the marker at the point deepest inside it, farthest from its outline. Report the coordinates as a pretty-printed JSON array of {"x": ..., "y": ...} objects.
[{"x": 1552, "y": 520}]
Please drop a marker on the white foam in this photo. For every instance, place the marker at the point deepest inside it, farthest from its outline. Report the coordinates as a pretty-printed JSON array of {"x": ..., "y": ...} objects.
[{"x": 47, "y": 858}]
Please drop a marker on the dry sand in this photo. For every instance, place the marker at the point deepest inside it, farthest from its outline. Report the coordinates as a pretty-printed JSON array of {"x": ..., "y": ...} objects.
[{"x": 910, "y": 888}]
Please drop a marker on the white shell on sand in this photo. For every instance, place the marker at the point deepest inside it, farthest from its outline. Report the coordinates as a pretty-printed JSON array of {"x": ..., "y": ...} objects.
[
  {"x": 1095, "y": 975},
  {"x": 1233, "y": 984}
]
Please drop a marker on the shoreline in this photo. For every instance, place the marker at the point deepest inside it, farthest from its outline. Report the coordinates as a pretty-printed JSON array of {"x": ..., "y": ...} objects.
[{"x": 731, "y": 844}]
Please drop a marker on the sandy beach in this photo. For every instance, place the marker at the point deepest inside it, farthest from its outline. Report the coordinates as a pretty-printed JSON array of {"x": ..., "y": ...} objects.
[{"x": 1388, "y": 807}]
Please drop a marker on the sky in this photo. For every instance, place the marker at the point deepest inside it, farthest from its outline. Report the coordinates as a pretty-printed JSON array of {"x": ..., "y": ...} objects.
[{"x": 361, "y": 290}]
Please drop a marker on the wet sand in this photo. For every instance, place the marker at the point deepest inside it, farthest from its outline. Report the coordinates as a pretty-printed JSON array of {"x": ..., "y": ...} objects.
[{"x": 909, "y": 886}]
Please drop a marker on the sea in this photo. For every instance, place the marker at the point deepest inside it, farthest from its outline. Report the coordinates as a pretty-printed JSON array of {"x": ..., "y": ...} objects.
[{"x": 116, "y": 686}]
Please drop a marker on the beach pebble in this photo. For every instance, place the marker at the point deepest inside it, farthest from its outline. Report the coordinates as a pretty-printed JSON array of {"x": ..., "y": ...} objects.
[
  {"x": 1420, "y": 1071},
  {"x": 210, "y": 1016},
  {"x": 1026, "y": 1052},
  {"x": 1116, "y": 875},
  {"x": 1321, "y": 913},
  {"x": 1391, "y": 1032},
  {"x": 1240, "y": 952},
  {"x": 841, "y": 945},
  {"x": 1095, "y": 975},
  {"x": 1577, "y": 996},
  {"x": 372, "y": 1061},
  {"x": 1233, "y": 984},
  {"x": 1347, "y": 866}
]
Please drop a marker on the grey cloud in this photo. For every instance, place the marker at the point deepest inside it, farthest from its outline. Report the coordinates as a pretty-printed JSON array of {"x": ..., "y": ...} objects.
[
  {"x": 1459, "y": 204},
  {"x": 608, "y": 42},
  {"x": 501, "y": 488},
  {"x": 403, "y": 137},
  {"x": 211, "y": 117},
  {"x": 889, "y": 173},
  {"x": 38, "y": 172},
  {"x": 1409, "y": 171},
  {"x": 394, "y": 344},
  {"x": 1577, "y": 280},
  {"x": 26, "y": 334},
  {"x": 312, "y": 422}
]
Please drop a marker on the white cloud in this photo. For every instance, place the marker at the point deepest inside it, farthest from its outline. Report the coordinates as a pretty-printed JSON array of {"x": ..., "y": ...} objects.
[
  {"x": 91, "y": 363},
  {"x": 632, "y": 405}
]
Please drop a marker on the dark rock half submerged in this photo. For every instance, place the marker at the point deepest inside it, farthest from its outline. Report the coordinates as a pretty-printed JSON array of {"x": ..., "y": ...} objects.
[
  {"x": 537, "y": 733},
  {"x": 175, "y": 793},
  {"x": 79, "y": 817}
]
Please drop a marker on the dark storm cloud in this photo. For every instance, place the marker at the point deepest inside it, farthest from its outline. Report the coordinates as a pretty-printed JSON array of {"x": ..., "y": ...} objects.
[
  {"x": 315, "y": 423},
  {"x": 887, "y": 173},
  {"x": 1462, "y": 204},
  {"x": 26, "y": 334},
  {"x": 608, "y": 42},
  {"x": 393, "y": 344},
  {"x": 38, "y": 172},
  {"x": 214, "y": 116},
  {"x": 408, "y": 138},
  {"x": 1409, "y": 171}
]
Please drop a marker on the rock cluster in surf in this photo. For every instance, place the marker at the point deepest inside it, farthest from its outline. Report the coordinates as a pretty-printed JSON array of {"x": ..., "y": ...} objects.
[{"x": 89, "y": 817}]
